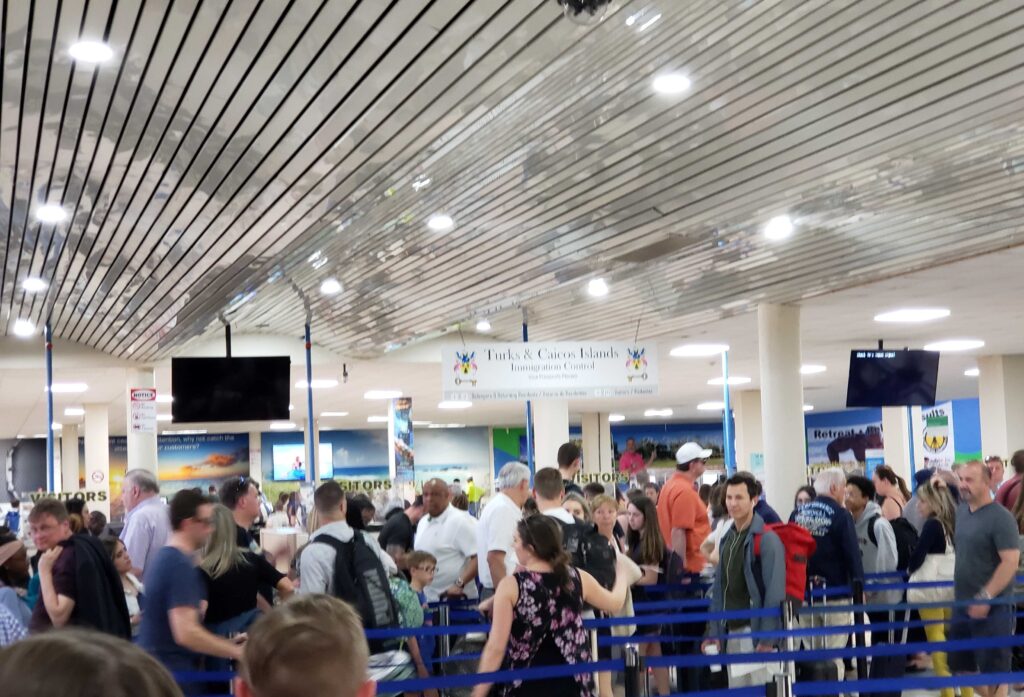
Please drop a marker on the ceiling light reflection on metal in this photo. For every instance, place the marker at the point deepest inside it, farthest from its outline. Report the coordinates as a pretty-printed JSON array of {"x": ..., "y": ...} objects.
[
  {"x": 597, "y": 288},
  {"x": 440, "y": 222},
  {"x": 649, "y": 23},
  {"x": 91, "y": 52},
  {"x": 951, "y": 345},
  {"x": 33, "y": 284},
  {"x": 671, "y": 83},
  {"x": 778, "y": 228},
  {"x": 913, "y": 314},
  {"x": 24, "y": 328},
  {"x": 330, "y": 286},
  {"x": 51, "y": 213}
]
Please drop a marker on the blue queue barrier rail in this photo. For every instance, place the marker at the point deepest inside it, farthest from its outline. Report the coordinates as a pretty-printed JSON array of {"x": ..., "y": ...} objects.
[{"x": 523, "y": 675}]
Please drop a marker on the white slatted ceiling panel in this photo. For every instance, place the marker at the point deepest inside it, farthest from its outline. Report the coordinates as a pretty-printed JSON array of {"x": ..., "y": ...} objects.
[{"x": 235, "y": 152}]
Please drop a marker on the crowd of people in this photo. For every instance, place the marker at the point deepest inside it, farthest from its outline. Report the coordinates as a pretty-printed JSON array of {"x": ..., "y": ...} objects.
[{"x": 188, "y": 583}]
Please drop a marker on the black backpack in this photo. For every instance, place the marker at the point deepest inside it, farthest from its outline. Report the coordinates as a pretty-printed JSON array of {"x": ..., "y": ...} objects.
[
  {"x": 590, "y": 551},
  {"x": 361, "y": 581},
  {"x": 906, "y": 539}
]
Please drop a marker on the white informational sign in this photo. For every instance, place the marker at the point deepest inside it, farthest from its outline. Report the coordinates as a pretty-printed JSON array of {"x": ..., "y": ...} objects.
[
  {"x": 935, "y": 436},
  {"x": 562, "y": 370},
  {"x": 142, "y": 412}
]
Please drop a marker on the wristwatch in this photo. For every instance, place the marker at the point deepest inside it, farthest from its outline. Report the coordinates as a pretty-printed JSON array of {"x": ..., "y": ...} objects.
[{"x": 983, "y": 595}]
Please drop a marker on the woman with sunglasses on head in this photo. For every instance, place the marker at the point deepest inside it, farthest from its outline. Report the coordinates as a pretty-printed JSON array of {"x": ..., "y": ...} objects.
[{"x": 538, "y": 614}]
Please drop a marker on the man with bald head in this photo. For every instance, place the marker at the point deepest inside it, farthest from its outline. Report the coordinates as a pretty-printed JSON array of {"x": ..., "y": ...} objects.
[{"x": 450, "y": 535}]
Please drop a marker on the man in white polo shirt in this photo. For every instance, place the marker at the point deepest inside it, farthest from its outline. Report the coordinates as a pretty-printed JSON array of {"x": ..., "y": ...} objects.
[
  {"x": 498, "y": 524},
  {"x": 548, "y": 492},
  {"x": 450, "y": 535}
]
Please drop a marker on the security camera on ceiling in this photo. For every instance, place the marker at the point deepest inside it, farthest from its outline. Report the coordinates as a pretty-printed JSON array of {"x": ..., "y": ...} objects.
[{"x": 585, "y": 12}]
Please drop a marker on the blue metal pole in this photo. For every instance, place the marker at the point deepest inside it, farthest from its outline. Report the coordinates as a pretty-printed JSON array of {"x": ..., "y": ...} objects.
[
  {"x": 48, "y": 339},
  {"x": 309, "y": 408},
  {"x": 529, "y": 408},
  {"x": 730, "y": 456},
  {"x": 910, "y": 437}
]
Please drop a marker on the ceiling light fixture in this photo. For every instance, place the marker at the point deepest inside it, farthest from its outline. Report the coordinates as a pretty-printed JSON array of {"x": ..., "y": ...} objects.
[
  {"x": 733, "y": 380},
  {"x": 454, "y": 404},
  {"x": 164, "y": 398},
  {"x": 422, "y": 423},
  {"x": 597, "y": 288},
  {"x": 282, "y": 426},
  {"x": 951, "y": 345},
  {"x": 658, "y": 413},
  {"x": 24, "y": 328},
  {"x": 711, "y": 406},
  {"x": 74, "y": 411},
  {"x": 333, "y": 414},
  {"x": 68, "y": 387},
  {"x": 91, "y": 52},
  {"x": 318, "y": 383},
  {"x": 671, "y": 83},
  {"x": 911, "y": 315},
  {"x": 616, "y": 418},
  {"x": 808, "y": 407},
  {"x": 33, "y": 284},
  {"x": 376, "y": 419},
  {"x": 382, "y": 394},
  {"x": 972, "y": 372},
  {"x": 778, "y": 228},
  {"x": 420, "y": 183},
  {"x": 56, "y": 426},
  {"x": 331, "y": 286},
  {"x": 440, "y": 222},
  {"x": 698, "y": 350},
  {"x": 51, "y": 213},
  {"x": 650, "y": 23},
  {"x": 812, "y": 369},
  {"x": 483, "y": 326}
]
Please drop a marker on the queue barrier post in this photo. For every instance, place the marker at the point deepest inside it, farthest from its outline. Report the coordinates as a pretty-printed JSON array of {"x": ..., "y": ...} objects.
[
  {"x": 859, "y": 639},
  {"x": 444, "y": 618},
  {"x": 780, "y": 686},
  {"x": 633, "y": 673},
  {"x": 788, "y": 625}
]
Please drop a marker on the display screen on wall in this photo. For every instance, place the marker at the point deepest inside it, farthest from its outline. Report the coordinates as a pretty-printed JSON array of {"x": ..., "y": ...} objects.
[
  {"x": 290, "y": 462},
  {"x": 892, "y": 378},
  {"x": 230, "y": 389}
]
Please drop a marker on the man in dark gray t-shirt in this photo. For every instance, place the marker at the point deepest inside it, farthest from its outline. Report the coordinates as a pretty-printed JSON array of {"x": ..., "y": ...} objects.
[{"x": 987, "y": 554}]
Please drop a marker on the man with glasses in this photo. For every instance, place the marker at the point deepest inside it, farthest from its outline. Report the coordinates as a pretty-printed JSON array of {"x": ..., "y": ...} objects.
[{"x": 171, "y": 627}]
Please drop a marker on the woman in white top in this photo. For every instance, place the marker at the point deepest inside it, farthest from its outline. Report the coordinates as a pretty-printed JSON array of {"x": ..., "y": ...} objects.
[{"x": 133, "y": 588}]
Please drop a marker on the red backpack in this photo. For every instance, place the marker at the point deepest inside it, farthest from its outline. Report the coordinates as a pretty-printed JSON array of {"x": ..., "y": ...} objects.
[{"x": 799, "y": 546}]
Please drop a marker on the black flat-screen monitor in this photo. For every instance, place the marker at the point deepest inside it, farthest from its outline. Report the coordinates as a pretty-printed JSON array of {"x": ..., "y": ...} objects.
[
  {"x": 230, "y": 389},
  {"x": 884, "y": 378}
]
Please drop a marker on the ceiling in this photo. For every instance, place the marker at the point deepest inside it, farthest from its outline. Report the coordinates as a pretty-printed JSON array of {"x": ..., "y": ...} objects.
[{"x": 235, "y": 155}]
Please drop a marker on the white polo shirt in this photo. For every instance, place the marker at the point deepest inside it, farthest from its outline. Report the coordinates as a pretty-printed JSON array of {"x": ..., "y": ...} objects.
[
  {"x": 494, "y": 534},
  {"x": 560, "y": 514},
  {"x": 451, "y": 538}
]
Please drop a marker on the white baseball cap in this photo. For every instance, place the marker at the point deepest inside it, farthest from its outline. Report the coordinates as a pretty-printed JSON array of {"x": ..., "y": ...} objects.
[{"x": 691, "y": 451}]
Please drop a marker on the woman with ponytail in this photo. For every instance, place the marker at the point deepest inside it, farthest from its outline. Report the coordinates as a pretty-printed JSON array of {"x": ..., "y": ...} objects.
[
  {"x": 538, "y": 614},
  {"x": 893, "y": 493}
]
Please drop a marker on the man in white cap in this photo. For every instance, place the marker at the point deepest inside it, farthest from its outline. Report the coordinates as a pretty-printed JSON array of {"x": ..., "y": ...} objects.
[{"x": 682, "y": 516}]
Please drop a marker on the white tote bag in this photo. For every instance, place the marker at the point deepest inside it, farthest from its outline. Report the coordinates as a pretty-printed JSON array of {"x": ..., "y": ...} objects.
[{"x": 936, "y": 567}]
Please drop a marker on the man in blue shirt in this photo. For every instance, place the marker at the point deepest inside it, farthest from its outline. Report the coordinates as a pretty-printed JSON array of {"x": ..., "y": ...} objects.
[{"x": 171, "y": 628}]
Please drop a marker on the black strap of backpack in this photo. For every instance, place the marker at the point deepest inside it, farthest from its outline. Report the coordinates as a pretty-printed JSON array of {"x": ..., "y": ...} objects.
[{"x": 342, "y": 585}]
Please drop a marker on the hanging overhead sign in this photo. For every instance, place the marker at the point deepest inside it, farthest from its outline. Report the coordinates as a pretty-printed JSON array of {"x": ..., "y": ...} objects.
[{"x": 556, "y": 370}]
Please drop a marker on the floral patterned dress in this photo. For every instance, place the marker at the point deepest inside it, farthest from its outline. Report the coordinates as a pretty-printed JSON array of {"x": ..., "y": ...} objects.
[{"x": 547, "y": 630}]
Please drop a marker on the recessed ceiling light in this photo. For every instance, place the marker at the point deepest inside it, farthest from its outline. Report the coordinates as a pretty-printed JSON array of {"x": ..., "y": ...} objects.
[
  {"x": 955, "y": 345},
  {"x": 185, "y": 432},
  {"x": 778, "y": 228},
  {"x": 422, "y": 423},
  {"x": 33, "y": 284},
  {"x": 808, "y": 407},
  {"x": 21, "y": 436},
  {"x": 91, "y": 52},
  {"x": 318, "y": 383},
  {"x": 671, "y": 83},
  {"x": 658, "y": 413},
  {"x": 56, "y": 426},
  {"x": 616, "y": 418},
  {"x": 382, "y": 394},
  {"x": 282, "y": 426},
  {"x": 376, "y": 419},
  {"x": 74, "y": 411},
  {"x": 51, "y": 213},
  {"x": 440, "y": 222},
  {"x": 164, "y": 398},
  {"x": 331, "y": 286},
  {"x": 711, "y": 406},
  {"x": 333, "y": 414},
  {"x": 913, "y": 314},
  {"x": 40, "y": 435},
  {"x": 24, "y": 328},
  {"x": 164, "y": 417},
  {"x": 454, "y": 405},
  {"x": 698, "y": 350},
  {"x": 68, "y": 387},
  {"x": 597, "y": 288},
  {"x": 483, "y": 326},
  {"x": 972, "y": 372},
  {"x": 733, "y": 380},
  {"x": 811, "y": 369}
]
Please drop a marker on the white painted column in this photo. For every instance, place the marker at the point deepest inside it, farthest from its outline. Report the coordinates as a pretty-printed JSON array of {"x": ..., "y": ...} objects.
[
  {"x": 1001, "y": 402},
  {"x": 256, "y": 455},
  {"x": 97, "y": 454},
  {"x": 895, "y": 432},
  {"x": 597, "y": 444},
  {"x": 550, "y": 430},
  {"x": 782, "y": 413},
  {"x": 308, "y": 434},
  {"x": 69, "y": 458},
  {"x": 141, "y": 446},
  {"x": 746, "y": 408}
]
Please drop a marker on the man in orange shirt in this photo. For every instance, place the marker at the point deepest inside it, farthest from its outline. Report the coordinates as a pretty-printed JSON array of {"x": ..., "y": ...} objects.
[{"x": 682, "y": 516}]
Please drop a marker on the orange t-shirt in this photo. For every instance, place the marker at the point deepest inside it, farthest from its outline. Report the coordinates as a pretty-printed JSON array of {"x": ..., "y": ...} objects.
[{"x": 679, "y": 506}]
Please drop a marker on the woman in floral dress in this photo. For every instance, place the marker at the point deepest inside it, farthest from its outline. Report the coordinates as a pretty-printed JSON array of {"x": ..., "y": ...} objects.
[{"x": 538, "y": 615}]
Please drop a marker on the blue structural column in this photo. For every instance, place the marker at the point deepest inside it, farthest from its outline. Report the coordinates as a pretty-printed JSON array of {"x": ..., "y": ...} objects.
[
  {"x": 910, "y": 440},
  {"x": 48, "y": 340},
  {"x": 728, "y": 449},
  {"x": 529, "y": 409},
  {"x": 311, "y": 475}
]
